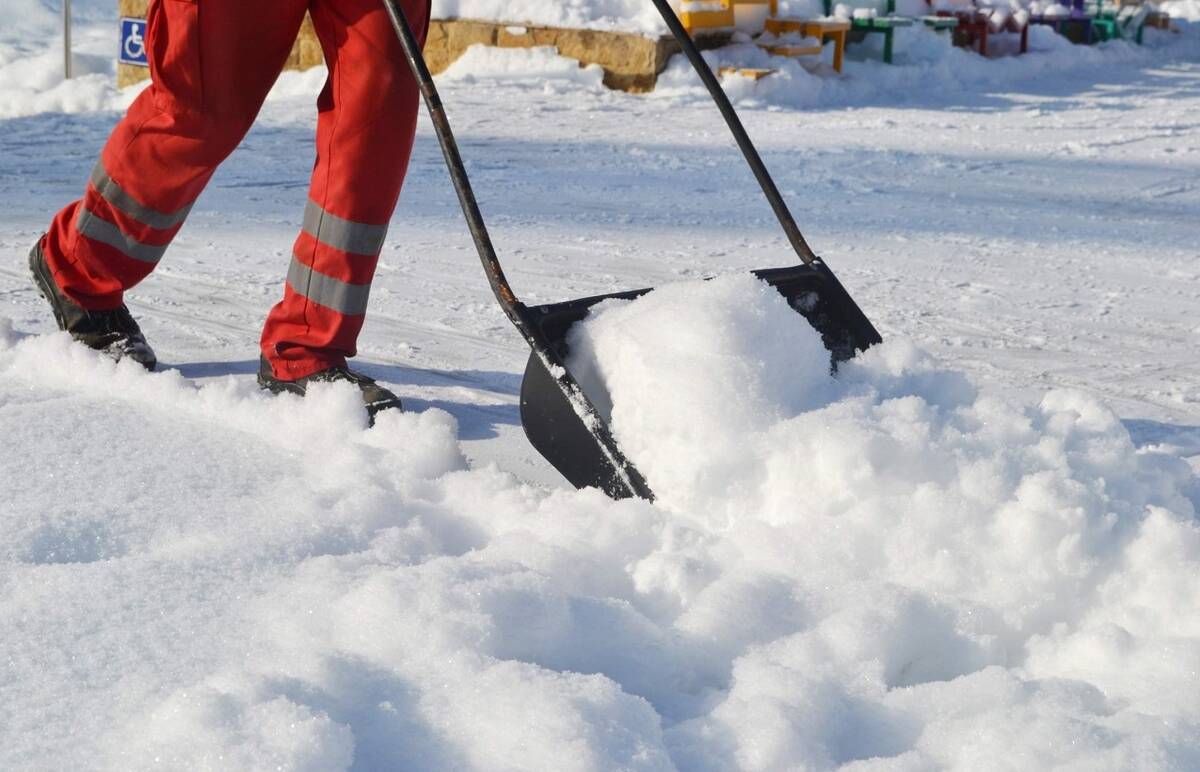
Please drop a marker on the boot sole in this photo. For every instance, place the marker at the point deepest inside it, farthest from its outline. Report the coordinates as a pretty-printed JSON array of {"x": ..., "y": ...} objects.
[
  {"x": 49, "y": 291},
  {"x": 42, "y": 280}
]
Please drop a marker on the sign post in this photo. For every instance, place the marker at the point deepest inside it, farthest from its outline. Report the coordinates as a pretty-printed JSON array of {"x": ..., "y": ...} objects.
[{"x": 67, "y": 39}]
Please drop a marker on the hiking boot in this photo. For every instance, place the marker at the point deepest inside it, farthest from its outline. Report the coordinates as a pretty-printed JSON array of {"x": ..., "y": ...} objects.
[
  {"x": 375, "y": 397},
  {"x": 113, "y": 332}
]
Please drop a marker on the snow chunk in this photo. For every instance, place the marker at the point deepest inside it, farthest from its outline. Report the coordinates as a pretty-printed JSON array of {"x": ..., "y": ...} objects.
[
  {"x": 698, "y": 366},
  {"x": 621, "y": 15},
  {"x": 208, "y": 728},
  {"x": 540, "y": 67},
  {"x": 31, "y": 60}
]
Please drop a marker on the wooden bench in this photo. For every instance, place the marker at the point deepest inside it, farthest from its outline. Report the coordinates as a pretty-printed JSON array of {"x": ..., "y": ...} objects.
[
  {"x": 880, "y": 18},
  {"x": 1076, "y": 24},
  {"x": 869, "y": 17},
  {"x": 976, "y": 23},
  {"x": 1119, "y": 22},
  {"x": 940, "y": 23},
  {"x": 823, "y": 30}
]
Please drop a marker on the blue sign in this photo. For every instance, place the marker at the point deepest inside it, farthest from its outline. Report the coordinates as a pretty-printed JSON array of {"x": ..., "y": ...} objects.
[{"x": 133, "y": 42}]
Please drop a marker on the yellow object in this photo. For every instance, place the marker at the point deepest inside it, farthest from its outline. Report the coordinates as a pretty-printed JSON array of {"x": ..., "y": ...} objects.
[
  {"x": 754, "y": 73},
  {"x": 783, "y": 25},
  {"x": 706, "y": 14},
  {"x": 698, "y": 15},
  {"x": 794, "y": 50},
  {"x": 821, "y": 29},
  {"x": 830, "y": 29}
]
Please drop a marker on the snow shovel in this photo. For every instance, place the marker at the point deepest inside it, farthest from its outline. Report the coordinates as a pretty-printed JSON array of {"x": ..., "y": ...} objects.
[{"x": 559, "y": 419}]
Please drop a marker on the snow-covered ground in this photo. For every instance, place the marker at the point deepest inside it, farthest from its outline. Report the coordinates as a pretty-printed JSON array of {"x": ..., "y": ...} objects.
[{"x": 976, "y": 548}]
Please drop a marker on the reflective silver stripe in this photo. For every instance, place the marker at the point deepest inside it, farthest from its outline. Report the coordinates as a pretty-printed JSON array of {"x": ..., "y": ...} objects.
[
  {"x": 106, "y": 233},
  {"x": 348, "y": 236},
  {"x": 116, "y": 195},
  {"x": 350, "y": 299}
]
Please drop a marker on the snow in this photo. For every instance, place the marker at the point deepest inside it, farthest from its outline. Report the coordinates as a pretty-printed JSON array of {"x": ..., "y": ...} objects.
[
  {"x": 726, "y": 360},
  {"x": 620, "y": 15},
  {"x": 540, "y": 67},
  {"x": 928, "y": 530},
  {"x": 877, "y": 565},
  {"x": 975, "y": 547},
  {"x": 803, "y": 9},
  {"x": 1185, "y": 10},
  {"x": 641, "y": 17},
  {"x": 926, "y": 64},
  {"x": 789, "y": 39},
  {"x": 31, "y": 59}
]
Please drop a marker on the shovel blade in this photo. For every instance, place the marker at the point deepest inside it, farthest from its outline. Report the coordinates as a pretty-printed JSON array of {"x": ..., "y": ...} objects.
[{"x": 562, "y": 437}]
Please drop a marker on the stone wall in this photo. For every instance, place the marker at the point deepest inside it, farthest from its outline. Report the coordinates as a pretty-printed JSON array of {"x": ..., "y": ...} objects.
[
  {"x": 631, "y": 62},
  {"x": 306, "y": 53}
]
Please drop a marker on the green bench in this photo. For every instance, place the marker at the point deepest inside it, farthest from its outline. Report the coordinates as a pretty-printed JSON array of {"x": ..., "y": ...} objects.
[
  {"x": 880, "y": 18},
  {"x": 1114, "y": 22}
]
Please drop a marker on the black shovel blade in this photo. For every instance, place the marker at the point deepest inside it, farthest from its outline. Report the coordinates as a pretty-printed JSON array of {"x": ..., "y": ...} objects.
[{"x": 582, "y": 449}]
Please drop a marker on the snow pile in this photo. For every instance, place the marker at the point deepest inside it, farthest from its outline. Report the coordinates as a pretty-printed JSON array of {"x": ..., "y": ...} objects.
[
  {"x": 733, "y": 370},
  {"x": 888, "y": 567},
  {"x": 35, "y": 85},
  {"x": 621, "y": 15},
  {"x": 31, "y": 59},
  {"x": 1184, "y": 10},
  {"x": 789, "y": 39},
  {"x": 926, "y": 63},
  {"x": 540, "y": 67},
  {"x": 338, "y": 596},
  {"x": 1052, "y": 10},
  {"x": 966, "y": 579}
]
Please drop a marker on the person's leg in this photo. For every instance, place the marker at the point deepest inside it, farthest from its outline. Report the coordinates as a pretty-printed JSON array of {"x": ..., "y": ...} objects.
[
  {"x": 212, "y": 64},
  {"x": 367, "y": 119}
]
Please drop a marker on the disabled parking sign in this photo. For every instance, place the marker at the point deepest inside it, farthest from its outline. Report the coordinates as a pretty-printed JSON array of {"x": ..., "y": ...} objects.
[{"x": 133, "y": 42}]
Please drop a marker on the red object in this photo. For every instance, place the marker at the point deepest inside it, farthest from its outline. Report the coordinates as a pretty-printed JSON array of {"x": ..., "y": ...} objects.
[
  {"x": 212, "y": 63},
  {"x": 974, "y": 27}
]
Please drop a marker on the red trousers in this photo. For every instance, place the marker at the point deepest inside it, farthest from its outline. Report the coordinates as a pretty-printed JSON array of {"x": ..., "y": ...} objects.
[{"x": 212, "y": 63}]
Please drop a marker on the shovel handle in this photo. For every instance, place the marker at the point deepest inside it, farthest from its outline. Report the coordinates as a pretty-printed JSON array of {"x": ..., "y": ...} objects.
[{"x": 739, "y": 132}]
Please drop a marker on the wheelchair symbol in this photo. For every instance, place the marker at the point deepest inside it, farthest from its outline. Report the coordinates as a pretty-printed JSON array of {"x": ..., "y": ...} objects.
[
  {"x": 133, "y": 42},
  {"x": 135, "y": 46}
]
